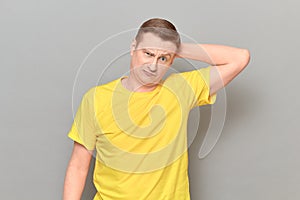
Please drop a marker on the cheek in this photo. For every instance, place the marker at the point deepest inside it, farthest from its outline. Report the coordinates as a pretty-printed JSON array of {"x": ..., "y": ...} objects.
[
  {"x": 164, "y": 68},
  {"x": 136, "y": 59},
  {"x": 136, "y": 64}
]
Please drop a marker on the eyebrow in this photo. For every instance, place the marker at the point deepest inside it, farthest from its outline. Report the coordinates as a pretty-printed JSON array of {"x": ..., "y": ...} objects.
[
  {"x": 152, "y": 54},
  {"x": 167, "y": 54}
]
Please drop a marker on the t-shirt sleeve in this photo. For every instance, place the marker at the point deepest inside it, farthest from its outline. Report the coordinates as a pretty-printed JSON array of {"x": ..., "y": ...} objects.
[
  {"x": 83, "y": 129},
  {"x": 199, "y": 81}
]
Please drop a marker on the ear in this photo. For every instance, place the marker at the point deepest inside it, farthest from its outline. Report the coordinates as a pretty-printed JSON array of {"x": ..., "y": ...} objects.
[{"x": 132, "y": 47}]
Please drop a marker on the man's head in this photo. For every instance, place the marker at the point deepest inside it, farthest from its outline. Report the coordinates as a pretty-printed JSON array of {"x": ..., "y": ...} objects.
[
  {"x": 153, "y": 50},
  {"x": 161, "y": 28}
]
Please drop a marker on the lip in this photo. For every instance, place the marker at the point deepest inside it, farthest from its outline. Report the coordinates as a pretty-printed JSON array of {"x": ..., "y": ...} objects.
[{"x": 148, "y": 73}]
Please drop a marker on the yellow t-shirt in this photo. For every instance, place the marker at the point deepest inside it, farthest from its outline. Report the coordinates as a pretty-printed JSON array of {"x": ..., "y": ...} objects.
[{"x": 140, "y": 138}]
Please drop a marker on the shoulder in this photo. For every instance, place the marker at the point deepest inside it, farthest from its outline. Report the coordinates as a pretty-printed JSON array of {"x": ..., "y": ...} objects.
[
  {"x": 192, "y": 75},
  {"x": 203, "y": 72},
  {"x": 100, "y": 91},
  {"x": 199, "y": 76}
]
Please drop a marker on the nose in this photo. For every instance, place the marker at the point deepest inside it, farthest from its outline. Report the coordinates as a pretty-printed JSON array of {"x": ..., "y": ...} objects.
[{"x": 153, "y": 66}]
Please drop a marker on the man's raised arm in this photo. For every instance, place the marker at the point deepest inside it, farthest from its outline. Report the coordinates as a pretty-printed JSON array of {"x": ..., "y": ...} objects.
[{"x": 227, "y": 62}]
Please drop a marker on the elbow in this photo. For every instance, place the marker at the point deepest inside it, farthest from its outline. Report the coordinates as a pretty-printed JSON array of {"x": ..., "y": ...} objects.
[
  {"x": 242, "y": 59},
  {"x": 245, "y": 58}
]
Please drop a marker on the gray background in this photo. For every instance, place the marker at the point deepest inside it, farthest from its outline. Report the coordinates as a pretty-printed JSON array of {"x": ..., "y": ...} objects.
[{"x": 43, "y": 44}]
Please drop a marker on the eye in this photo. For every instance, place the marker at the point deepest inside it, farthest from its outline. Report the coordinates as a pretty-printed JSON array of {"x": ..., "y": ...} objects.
[
  {"x": 163, "y": 58},
  {"x": 147, "y": 53}
]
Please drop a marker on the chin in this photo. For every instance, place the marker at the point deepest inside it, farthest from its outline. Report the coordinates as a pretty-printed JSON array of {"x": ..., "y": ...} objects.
[
  {"x": 151, "y": 82},
  {"x": 148, "y": 81}
]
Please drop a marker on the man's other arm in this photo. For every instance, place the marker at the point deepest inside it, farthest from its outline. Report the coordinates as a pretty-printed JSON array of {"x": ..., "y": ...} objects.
[
  {"x": 227, "y": 62},
  {"x": 76, "y": 172}
]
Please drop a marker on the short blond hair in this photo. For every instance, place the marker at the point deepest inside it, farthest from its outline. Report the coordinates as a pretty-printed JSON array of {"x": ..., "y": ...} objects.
[{"x": 160, "y": 27}]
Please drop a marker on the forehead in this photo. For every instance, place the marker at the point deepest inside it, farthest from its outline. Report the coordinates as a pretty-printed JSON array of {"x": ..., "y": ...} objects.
[{"x": 151, "y": 41}]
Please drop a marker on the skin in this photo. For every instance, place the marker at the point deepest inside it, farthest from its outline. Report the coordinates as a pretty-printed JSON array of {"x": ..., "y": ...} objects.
[
  {"x": 153, "y": 55},
  {"x": 77, "y": 171},
  {"x": 226, "y": 61},
  {"x": 150, "y": 59}
]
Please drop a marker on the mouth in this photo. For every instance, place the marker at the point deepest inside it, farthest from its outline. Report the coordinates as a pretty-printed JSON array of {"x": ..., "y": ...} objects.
[{"x": 149, "y": 73}]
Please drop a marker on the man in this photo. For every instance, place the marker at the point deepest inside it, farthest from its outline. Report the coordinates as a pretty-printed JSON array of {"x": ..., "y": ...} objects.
[{"x": 137, "y": 124}]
